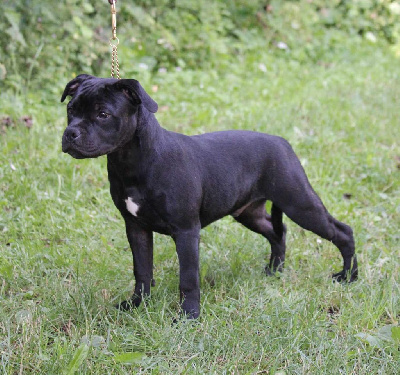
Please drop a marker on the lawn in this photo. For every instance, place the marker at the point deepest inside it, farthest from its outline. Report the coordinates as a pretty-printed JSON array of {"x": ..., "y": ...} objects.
[{"x": 65, "y": 261}]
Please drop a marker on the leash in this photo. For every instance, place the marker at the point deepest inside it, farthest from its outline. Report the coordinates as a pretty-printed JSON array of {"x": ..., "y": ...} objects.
[{"x": 114, "y": 41}]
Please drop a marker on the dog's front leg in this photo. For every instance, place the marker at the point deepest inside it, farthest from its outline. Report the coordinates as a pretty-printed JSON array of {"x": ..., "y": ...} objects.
[
  {"x": 187, "y": 247},
  {"x": 141, "y": 242}
]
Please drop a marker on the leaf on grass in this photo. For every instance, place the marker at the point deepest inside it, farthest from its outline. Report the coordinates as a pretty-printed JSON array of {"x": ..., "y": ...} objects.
[
  {"x": 396, "y": 333},
  {"x": 369, "y": 339},
  {"x": 390, "y": 333},
  {"x": 95, "y": 341},
  {"x": 79, "y": 356},
  {"x": 130, "y": 358}
]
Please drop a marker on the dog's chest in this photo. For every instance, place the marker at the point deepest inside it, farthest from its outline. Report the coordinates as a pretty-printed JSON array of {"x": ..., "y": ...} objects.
[
  {"x": 132, "y": 207},
  {"x": 146, "y": 211}
]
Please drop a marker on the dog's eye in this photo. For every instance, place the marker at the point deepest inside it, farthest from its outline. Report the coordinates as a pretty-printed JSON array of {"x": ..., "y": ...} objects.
[
  {"x": 103, "y": 115},
  {"x": 69, "y": 111}
]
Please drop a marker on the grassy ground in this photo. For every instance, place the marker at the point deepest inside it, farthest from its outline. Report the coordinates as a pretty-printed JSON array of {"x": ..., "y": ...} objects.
[{"x": 64, "y": 259}]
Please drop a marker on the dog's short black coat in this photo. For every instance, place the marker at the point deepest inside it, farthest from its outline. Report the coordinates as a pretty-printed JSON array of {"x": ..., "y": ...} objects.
[{"x": 174, "y": 184}]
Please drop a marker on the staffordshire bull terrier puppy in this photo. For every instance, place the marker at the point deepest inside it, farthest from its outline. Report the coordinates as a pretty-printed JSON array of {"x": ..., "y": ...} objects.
[{"x": 174, "y": 184}]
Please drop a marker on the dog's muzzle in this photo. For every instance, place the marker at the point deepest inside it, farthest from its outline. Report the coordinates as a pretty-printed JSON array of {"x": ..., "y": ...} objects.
[{"x": 71, "y": 135}]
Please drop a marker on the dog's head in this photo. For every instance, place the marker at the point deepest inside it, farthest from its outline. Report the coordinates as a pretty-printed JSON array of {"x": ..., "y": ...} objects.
[{"x": 102, "y": 114}]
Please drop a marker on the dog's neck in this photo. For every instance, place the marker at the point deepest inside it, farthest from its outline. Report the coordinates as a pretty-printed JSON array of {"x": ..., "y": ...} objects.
[
  {"x": 133, "y": 157},
  {"x": 148, "y": 131}
]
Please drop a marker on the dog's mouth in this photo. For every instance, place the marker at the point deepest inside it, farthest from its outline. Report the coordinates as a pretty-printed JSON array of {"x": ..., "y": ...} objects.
[
  {"x": 76, "y": 153},
  {"x": 79, "y": 148}
]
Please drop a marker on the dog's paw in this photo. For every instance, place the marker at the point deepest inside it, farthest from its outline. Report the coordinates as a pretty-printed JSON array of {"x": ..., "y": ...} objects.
[
  {"x": 345, "y": 276},
  {"x": 186, "y": 317},
  {"x": 190, "y": 309},
  {"x": 190, "y": 315},
  {"x": 129, "y": 304},
  {"x": 273, "y": 271},
  {"x": 184, "y": 320},
  {"x": 269, "y": 272}
]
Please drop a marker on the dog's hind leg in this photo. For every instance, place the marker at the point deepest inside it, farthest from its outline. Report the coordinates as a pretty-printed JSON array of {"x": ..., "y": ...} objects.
[
  {"x": 307, "y": 210},
  {"x": 344, "y": 241},
  {"x": 255, "y": 218}
]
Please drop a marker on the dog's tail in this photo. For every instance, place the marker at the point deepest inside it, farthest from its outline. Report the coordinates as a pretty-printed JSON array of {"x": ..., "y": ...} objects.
[{"x": 276, "y": 219}]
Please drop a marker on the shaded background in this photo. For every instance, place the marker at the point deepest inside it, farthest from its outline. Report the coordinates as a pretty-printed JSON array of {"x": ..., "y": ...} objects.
[{"x": 44, "y": 42}]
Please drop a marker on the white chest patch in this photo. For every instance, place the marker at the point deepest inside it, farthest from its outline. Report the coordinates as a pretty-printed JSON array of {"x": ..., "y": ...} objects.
[{"x": 131, "y": 206}]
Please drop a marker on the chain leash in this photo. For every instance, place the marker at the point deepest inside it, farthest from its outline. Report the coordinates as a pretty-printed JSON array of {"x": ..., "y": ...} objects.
[
  {"x": 114, "y": 41},
  {"x": 114, "y": 59}
]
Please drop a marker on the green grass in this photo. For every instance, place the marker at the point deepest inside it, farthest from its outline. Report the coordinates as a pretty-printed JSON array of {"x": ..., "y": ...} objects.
[{"x": 65, "y": 261}]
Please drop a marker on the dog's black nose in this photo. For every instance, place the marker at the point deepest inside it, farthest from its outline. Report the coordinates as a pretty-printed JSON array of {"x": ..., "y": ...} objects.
[{"x": 72, "y": 134}]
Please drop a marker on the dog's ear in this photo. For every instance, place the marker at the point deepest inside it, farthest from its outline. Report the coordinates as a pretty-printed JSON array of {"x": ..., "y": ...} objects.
[
  {"x": 135, "y": 91},
  {"x": 73, "y": 85}
]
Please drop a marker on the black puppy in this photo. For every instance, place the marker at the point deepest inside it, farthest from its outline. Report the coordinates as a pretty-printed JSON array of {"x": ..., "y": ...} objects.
[{"x": 174, "y": 184}]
